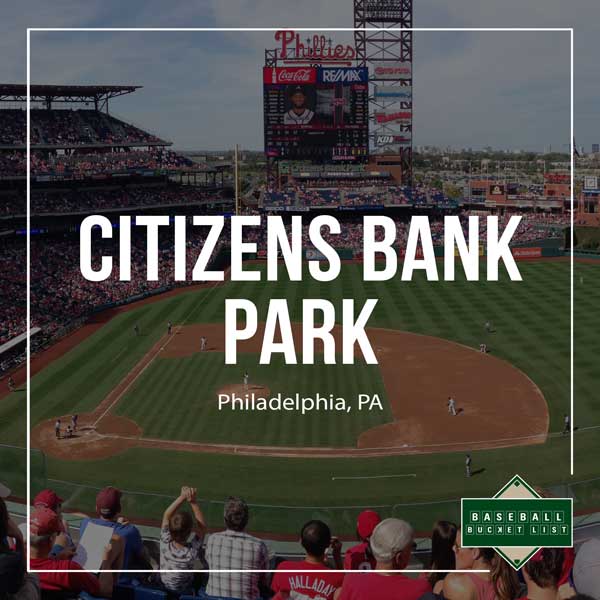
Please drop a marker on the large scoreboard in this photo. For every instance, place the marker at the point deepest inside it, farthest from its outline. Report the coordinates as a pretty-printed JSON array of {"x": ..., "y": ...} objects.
[{"x": 316, "y": 113}]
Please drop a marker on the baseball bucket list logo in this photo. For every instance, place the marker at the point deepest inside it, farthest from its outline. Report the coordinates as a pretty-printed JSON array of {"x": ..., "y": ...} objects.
[{"x": 517, "y": 522}]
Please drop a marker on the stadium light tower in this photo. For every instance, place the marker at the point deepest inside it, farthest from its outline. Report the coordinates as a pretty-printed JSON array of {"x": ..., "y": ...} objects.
[{"x": 388, "y": 55}]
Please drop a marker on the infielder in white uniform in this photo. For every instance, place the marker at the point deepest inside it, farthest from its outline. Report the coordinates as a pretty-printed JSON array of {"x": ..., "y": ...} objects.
[
  {"x": 246, "y": 379},
  {"x": 299, "y": 114},
  {"x": 202, "y": 344},
  {"x": 451, "y": 406}
]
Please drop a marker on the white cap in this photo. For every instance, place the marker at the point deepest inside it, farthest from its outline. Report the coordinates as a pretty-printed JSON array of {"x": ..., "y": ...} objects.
[
  {"x": 390, "y": 537},
  {"x": 586, "y": 569},
  {"x": 4, "y": 491}
]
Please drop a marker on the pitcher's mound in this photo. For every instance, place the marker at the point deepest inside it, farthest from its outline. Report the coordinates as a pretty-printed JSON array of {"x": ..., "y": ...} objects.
[{"x": 239, "y": 390}]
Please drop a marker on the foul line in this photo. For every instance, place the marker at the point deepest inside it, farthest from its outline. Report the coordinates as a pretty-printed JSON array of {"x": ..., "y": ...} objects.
[
  {"x": 178, "y": 328},
  {"x": 375, "y": 477}
]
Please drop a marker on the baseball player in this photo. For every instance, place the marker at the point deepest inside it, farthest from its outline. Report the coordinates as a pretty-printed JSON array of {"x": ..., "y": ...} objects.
[
  {"x": 468, "y": 462},
  {"x": 488, "y": 326},
  {"x": 169, "y": 328},
  {"x": 483, "y": 348},
  {"x": 11, "y": 384},
  {"x": 74, "y": 422},
  {"x": 451, "y": 406},
  {"x": 299, "y": 114},
  {"x": 246, "y": 379},
  {"x": 136, "y": 330},
  {"x": 57, "y": 429},
  {"x": 69, "y": 431},
  {"x": 567, "y": 428},
  {"x": 202, "y": 344}
]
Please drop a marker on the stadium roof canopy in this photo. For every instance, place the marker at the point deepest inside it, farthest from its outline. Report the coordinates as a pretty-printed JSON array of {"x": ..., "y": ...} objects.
[{"x": 98, "y": 94}]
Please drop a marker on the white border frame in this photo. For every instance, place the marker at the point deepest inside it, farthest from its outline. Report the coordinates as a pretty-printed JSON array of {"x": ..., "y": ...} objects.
[{"x": 272, "y": 29}]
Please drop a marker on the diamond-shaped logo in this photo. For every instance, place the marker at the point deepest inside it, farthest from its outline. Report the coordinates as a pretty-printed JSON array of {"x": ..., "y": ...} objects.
[{"x": 517, "y": 522}]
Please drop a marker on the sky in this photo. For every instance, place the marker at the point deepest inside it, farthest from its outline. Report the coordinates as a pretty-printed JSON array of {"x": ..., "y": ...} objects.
[{"x": 203, "y": 90}]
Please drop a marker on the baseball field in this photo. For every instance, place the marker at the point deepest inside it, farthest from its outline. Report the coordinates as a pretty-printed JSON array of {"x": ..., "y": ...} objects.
[{"x": 150, "y": 422}]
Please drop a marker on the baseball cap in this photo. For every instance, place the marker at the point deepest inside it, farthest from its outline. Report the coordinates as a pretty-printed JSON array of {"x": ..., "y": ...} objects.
[
  {"x": 367, "y": 521},
  {"x": 4, "y": 491},
  {"x": 297, "y": 89},
  {"x": 390, "y": 537},
  {"x": 48, "y": 498},
  {"x": 586, "y": 570},
  {"x": 108, "y": 501},
  {"x": 44, "y": 521}
]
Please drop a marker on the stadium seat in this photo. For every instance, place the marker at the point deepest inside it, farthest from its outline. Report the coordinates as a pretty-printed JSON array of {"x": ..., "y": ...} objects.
[
  {"x": 144, "y": 593},
  {"x": 204, "y": 596}
]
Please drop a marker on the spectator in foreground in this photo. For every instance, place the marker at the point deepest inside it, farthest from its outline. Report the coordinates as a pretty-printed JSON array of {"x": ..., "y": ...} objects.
[
  {"x": 500, "y": 583},
  {"x": 15, "y": 582},
  {"x": 443, "y": 539},
  {"x": 44, "y": 527},
  {"x": 49, "y": 499},
  {"x": 542, "y": 574},
  {"x": 108, "y": 508},
  {"x": 236, "y": 549},
  {"x": 316, "y": 539},
  {"x": 4, "y": 491},
  {"x": 586, "y": 570},
  {"x": 391, "y": 543},
  {"x": 180, "y": 545},
  {"x": 360, "y": 557}
]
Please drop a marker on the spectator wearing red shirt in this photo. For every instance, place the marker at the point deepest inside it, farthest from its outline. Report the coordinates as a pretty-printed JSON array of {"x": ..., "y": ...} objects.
[
  {"x": 360, "y": 557},
  {"x": 44, "y": 526},
  {"x": 391, "y": 544},
  {"x": 316, "y": 539}
]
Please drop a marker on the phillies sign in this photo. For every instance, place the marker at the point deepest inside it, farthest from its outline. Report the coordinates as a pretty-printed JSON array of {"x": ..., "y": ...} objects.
[
  {"x": 289, "y": 75},
  {"x": 316, "y": 48}
]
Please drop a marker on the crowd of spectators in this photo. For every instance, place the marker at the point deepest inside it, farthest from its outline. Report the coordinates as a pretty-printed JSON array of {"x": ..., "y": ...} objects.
[
  {"x": 66, "y": 127},
  {"x": 355, "y": 194},
  {"x": 94, "y": 163},
  {"x": 89, "y": 163},
  {"x": 98, "y": 200},
  {"x": 241, "y": 567},
  {"x": 13, "y": 163},
  {"x": 85, "y": 143}
]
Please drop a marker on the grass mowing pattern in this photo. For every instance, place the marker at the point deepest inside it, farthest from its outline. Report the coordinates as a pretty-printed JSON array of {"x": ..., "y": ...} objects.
[
  {"x": 532, "y": 331},
  {"x": 191, "y": 385}
]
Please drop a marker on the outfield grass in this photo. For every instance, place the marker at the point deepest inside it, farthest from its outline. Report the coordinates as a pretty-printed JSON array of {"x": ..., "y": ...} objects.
[{"x": 532, "y": 324}]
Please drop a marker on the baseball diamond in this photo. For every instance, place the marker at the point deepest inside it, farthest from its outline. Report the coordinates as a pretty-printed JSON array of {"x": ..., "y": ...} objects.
[{"x": 148, "y": 403}]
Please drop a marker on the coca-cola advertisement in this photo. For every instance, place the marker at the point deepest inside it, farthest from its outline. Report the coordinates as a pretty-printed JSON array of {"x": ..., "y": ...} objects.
[{"x": 289, "y": 75}]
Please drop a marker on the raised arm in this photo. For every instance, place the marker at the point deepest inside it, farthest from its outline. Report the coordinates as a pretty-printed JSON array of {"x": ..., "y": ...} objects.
[
  {"x": 201, "y": 526},
  {"x": 183, "y": 496}
]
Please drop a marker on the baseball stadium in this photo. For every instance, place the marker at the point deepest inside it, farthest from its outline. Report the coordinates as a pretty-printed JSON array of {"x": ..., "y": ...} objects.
[{"x": 126, "y": 375}]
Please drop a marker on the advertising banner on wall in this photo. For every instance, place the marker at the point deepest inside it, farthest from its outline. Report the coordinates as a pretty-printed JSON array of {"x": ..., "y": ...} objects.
[
  {"x": 391, "y": 69},
  {"x": 401, "y": 93},
  {"x": 403, "y": 117},
  {"x": 403, "y": 139}
]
